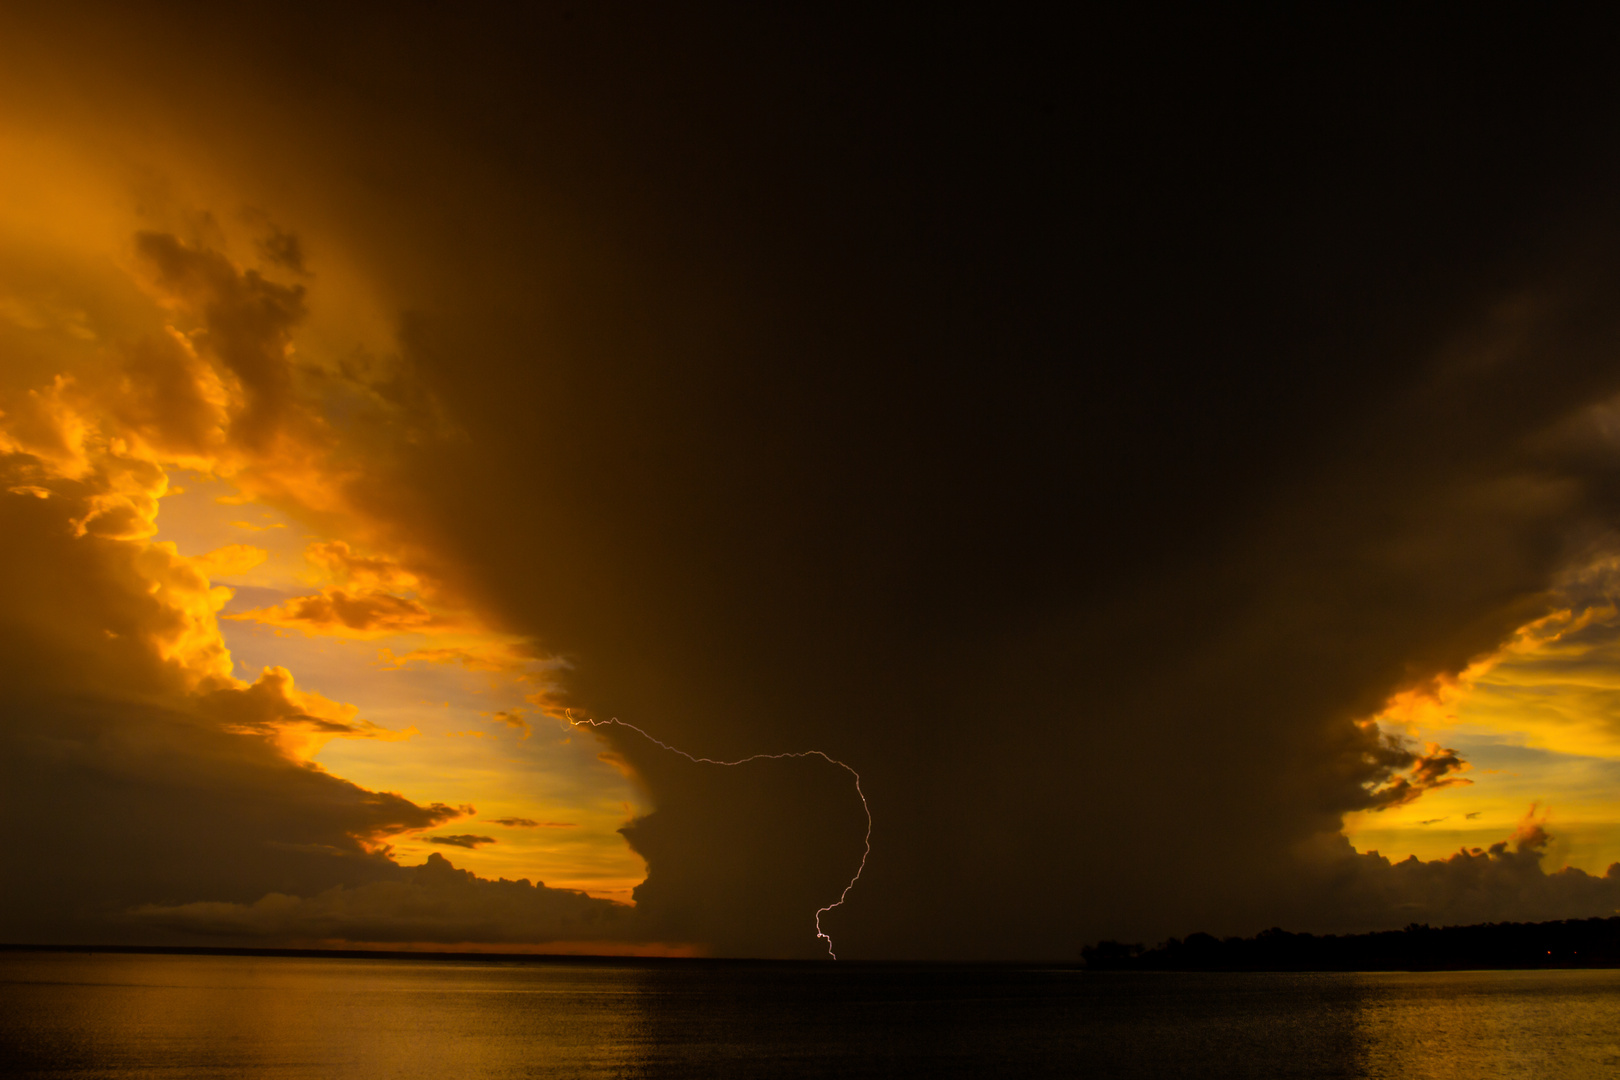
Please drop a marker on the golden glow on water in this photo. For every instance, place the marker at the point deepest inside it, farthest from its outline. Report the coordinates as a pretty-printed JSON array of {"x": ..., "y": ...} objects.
[
  {"x": 242, "y": 1018},
  {"x": 1471, "y": 1024}
]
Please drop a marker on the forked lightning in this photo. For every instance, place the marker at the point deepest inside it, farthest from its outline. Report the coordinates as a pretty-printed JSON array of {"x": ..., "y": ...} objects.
[{"x": 615, "y": 722}]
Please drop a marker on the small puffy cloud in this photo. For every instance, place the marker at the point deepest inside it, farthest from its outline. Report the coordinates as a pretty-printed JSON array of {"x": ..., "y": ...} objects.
[
  {"x": 230, "y": 560},
  {"x": 513, "y": 718},
  {"x": 284, "y": 249},
  {"x": 369, "y": 572},
  {"x": 1532, "y": 832},
  {"x": 461, "y": 840}
]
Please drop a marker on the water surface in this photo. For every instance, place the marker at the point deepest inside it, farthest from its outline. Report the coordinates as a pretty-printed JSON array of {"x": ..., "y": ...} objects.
[{"x": 257, "y": 1018}]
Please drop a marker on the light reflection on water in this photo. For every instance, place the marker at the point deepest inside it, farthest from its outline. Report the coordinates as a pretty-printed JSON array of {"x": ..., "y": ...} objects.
[{"x": 66, "y": 1015}]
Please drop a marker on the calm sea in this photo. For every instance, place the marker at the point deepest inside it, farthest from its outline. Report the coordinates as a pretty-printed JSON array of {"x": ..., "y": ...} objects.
[{"x": 64, "y": 1015}]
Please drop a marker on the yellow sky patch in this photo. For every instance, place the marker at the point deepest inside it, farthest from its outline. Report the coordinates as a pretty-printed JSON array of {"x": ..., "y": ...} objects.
[{"x": 1539, "y": 721}]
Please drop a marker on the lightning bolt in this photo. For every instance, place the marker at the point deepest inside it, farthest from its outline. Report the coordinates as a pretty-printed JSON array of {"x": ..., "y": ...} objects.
[{"x": 820, "y": 933}]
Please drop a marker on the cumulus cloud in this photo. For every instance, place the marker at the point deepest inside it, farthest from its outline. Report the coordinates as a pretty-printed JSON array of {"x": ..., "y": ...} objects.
[
  {"x": 146, "y": 769},
  {"x": 1505, "y": 882}
]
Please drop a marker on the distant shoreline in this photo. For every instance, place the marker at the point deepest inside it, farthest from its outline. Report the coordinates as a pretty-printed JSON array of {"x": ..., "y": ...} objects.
[{"x": 1568, "y": 943}]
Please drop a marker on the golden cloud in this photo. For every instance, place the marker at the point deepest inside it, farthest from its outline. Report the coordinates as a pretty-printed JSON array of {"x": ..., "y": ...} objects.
[{"x": 357, "y": 613}]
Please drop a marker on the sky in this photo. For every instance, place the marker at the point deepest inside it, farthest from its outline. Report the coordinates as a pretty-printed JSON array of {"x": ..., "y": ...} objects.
[{"x": 1172, "y": 466}]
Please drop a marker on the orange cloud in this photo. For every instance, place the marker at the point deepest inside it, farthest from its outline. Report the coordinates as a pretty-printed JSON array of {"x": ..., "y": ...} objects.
[
  {"x": 357, "y": 613},
  {"x": 376, "y": 596},
  {"x": 299, "y": 722},
  {"x": 370, "y": 572},
  {"x": 230, "y": 560}
]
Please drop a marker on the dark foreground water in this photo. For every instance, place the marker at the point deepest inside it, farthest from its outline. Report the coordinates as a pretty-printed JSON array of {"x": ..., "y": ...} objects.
[{"x": 64, "y": 1015}]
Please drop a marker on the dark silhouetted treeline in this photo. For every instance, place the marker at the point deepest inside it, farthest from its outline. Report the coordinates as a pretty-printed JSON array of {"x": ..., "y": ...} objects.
[{"x": 1568, "y": 943}]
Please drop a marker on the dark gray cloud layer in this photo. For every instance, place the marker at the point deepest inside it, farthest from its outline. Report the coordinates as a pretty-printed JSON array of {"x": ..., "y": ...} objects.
[
  {"x": 433, "y": 902},
  {"x": 1076, "y": 428}
]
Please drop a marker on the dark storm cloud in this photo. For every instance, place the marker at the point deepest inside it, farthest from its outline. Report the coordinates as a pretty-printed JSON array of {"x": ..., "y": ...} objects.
[
  {"x": 1056, "y": 455},
  {"x": 1076, "y": 429}
]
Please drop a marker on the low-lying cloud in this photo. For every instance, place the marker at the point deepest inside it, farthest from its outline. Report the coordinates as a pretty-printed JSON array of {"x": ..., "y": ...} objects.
[{"x": 434, "y": 902}]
